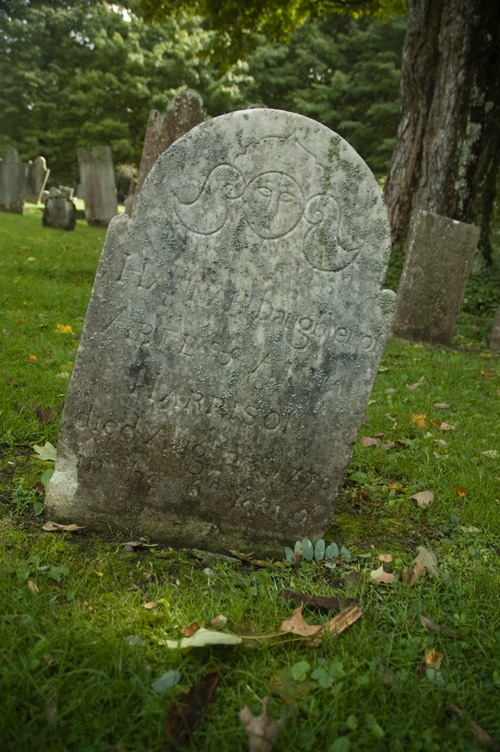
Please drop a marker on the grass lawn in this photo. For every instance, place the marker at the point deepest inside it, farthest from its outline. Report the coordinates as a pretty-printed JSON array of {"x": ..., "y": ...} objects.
[{"x": 86, "y": 623}]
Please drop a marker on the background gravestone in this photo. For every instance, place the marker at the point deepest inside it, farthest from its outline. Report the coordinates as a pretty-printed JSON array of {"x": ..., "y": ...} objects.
[
  {"x": 232, "y": 339},
  {"x": 438, "y": 259},
  {"x": 12, "y": 180},
  {"x": 495, "y": 333},
  {"x": 37, "y": 175},
  {"x": 59, "y": 213},
  {"x": 98, "y": 182},
  {"x": 183, "y": 113}
]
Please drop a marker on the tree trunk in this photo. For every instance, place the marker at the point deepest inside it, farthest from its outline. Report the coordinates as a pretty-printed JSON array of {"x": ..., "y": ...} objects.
[{"x": 448, "y": 147}]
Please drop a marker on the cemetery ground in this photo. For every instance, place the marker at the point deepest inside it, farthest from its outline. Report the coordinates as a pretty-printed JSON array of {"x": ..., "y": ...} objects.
[{"x": 89, "y": 623}]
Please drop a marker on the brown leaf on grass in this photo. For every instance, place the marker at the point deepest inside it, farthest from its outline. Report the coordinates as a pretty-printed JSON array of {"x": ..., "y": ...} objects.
[
  {"x": 428, "y": 560},
  {"x": 323, "y": 603},
  {"x": 414, "y": 574},
  {"x": 394, "y": 444},
  {"x": 396, "y": 487},
  {"x": 440, "y": 442},
  {"x": 32, "y": 586},
  {"x": 378, "y": 575},
  {"x": 433, "y": 659},
  {"x": 188, "y": 708},
  {"x": 33, "y": 357},
  {"x": 412, "y": 387},
  {"x": 442, "y": 405},
  {"x": 423, "y": 498},
  {"x": 134, "y": 544},
  {"x": 56, "y": 527},
  {"x": 419, "y": 419},
  {"x": 298, "y": 626},
  {"x": 369, "y": 441},
  {"x": 460, "y": 491},
  {"x": 261, "y": 730},
  {"x": 483, "y": 738},
  {"x": 247, "y": 557},
  {"x": 218, "y": 622},
  {"x": 390, "y": 417},
  {"x": 44, "y": 414},
  {"x": 388, "y": 676},
  {"x": 385, "y": 557},
  {"x": 442, "y": 426},
  {"x": 190, "y": 630},
  {"x": 437, "y": 628},
  {"x": 151, "y": 604}
]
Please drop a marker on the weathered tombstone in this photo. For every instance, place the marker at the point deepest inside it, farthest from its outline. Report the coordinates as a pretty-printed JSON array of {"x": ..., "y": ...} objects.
[
  {"x": 183, "y": 113},
  {"x": 495, "y": 333},
  {"x": 438, "y": 260},
  {"x": 59, "y": 213},
  {"x": 232, "y": 339},
  {"x": 98, "y": 181},
  {"x": 65, "y": 190},
  {"x": 12, "y": 181},
  {"x": 37, "y": 174},
  {"x": 130, "y": 200}
]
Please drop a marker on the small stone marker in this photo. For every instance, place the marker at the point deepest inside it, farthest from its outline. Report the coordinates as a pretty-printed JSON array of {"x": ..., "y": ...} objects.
[
  {"x": 59, "y": 213},
  {"x": 12, "y": 181},
  {"x": 37, "y": 174},
  {"x": 438, "y": 260},
  {"x": 98, "y": 181},
  {"x": 495, "y": 333},
  {"x": 232, "y": 339},
  {"x": 184, "y": 112}
]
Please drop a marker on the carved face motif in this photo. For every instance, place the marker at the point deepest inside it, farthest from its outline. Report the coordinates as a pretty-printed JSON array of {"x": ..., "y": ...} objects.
[{"x": 273, "y": 204}]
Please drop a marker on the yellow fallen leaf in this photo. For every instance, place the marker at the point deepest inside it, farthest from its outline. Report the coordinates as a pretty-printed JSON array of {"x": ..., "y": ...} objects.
[
  {"x": 61, "y": 329},
  {"x": 433, "y": 659},
  {"x": 33, "y": 357},
  {"x": 419, "y": 419}
]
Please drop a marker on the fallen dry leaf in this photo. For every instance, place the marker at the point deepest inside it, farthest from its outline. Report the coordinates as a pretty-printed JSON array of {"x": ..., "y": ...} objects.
[
  {"x": 369, "y": 441},
  {"x": 190, "y": 630},
  {"x": 218, "y": 622},
  {"x": 396, "y": 487},
  {"x": 437, "y": 628},
  {"x": 428, "y": 560},
  {"x": 32, "y": 586},
  {"x": 385, "y": 557},
  {"x": 390, "y": 417},
  {"x": 388, "y": 676},
  {"x": 423, "y": 498},
  {"x": 433, "y": 659},
  {"x": 419, "y": 419},
  {"x": 484, "y": 739},
  {"x": 33, "y": 357},
  {"x": 442, "y": 426},
  {"x": 261, "y": 730},
  {"x": 187, "y": 710},
  {"x": 378, "y": 575},
  {"x": 44, "y": 414},
  {"x": 247, "y": 557},
  {"x": 151, "y": 604},
  {"x": 442, "y": 405},
  {"x": 415, "y": 386},
  {"x": 414, "y": 574},
  {"x": 132, "y": 545},
  {"x": 440, "y": 442},
  {"x": 460, "y": 491},
  {"x": 55, "y": 527},
  {"x": 298, "y": 626},
  {"x": 323, "y": 603}
]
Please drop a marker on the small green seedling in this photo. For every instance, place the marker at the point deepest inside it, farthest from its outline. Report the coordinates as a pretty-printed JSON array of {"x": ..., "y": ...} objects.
[{"x": 319, "y": 551}]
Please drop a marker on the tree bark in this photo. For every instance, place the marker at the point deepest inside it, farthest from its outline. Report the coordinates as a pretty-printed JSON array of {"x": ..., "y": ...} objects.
[{"x": 448, "y": 146}]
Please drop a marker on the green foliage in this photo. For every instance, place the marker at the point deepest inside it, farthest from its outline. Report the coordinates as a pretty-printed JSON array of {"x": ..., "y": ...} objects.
[{"x": 85, "y": 74}]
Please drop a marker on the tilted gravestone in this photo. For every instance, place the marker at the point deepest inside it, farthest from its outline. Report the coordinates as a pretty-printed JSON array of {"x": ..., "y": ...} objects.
[
  {"x": 37, "y": 174},
  {"x": 438, "y": 260},
  {"x": 98, "y": 181},
  {"x": 12, "y": 181},
  {"x": 59, "y": 213},
  {"x": 232, "y": 339},
  {"x": 184, "y": 112}
]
